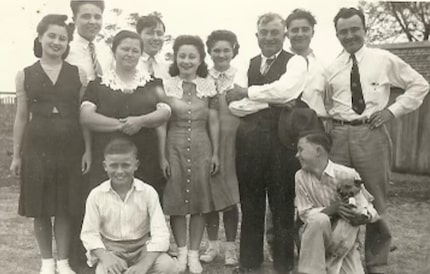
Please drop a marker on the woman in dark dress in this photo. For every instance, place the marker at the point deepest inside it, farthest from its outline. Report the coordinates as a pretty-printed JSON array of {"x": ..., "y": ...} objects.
[
  {"x": 48, "y": 145},
  {"x": 125, "y": 101}
]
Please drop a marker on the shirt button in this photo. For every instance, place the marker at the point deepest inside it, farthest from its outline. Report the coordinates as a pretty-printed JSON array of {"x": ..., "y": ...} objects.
[
  {"x": 188, "y": 149},
  {"x": 187, "y": 190},
  {"x": 189, "y": 129},
  {"x": 189, "y": 121},
  {"x": 189, "y": 111},
  {"x": 188, "y": 170},
  {"x": 186, "y": 201},
  {"x": 188, "y": 160},
  {"x": 189, "y": 102},
  {"x": 189, "y": 93},
  {"x": 188, "y": 180},
  {"x": 189, "y": 139}
]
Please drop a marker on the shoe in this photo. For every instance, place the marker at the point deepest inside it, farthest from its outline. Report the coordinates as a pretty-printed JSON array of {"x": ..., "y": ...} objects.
[
  {"x": 173, "y": 250},
  {"x": 230, "y": 255},
  {"x": 194, "y": 262},
  {"x": 65, "y": 269},
  {"x": 47, "y": 269},
  {"x": 209, "y": 255},
  {"x": 245, "y": 270}
]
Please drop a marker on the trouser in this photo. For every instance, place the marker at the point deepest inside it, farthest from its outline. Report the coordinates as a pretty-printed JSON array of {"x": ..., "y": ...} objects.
[
  {"x": 314, "y": 259},
  {"x": 264, "y": 166},
  {"x": 369, "y": 152},
  {"x": 134, "y": 251}
]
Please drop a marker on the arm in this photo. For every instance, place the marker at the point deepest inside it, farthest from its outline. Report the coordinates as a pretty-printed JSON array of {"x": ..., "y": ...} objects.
[
  {"x": 214, "y": 133},
  {"x": 305, "y": 207},
  {"x": 164, "y": 164},
  {"x": 94, "y": 121},
  {"x": 287, "y": 88},
  {"x": 86, "y": 133},
  {"x": 21, "y": 120}
]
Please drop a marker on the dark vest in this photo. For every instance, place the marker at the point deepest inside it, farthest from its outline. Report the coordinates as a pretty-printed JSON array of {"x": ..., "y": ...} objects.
[
  {"x": 265, "y": 120},
  {"x": 43, "y": 95}
]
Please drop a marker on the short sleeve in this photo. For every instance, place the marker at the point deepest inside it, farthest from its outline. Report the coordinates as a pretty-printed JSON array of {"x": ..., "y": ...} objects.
[
  {"x": 214, "y": 102},
  {"x": 91, "y": 94},
  {"x": 19, "y": 84}
]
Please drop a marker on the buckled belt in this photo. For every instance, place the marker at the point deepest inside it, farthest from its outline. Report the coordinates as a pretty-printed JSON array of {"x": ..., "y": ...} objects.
[{"x": 357, "y": 122}]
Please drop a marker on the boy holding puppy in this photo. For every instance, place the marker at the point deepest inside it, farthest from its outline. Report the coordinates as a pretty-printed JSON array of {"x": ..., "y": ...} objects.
[{"x": 124, "y": 229}]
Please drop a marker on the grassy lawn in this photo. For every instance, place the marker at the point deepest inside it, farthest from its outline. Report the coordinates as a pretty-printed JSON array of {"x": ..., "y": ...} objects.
[{"x": 409, "y": 215}]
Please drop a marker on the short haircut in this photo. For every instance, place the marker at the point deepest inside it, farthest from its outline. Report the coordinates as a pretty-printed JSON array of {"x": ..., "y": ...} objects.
[
  {"x": 346, "y": 13},
  {"x": 223, "y": 35},
  {"x": 75, "y": 4},
  {"x": 120, "y": 145},
  {"x": 42, "y": 27},
  {"x": 318, "y": 137},
  {"x": 269, "y": 17},
  {"x": 300, "y": 14},
  {"x": 148, "y": 21},
  {"x": 192, "y": 40},
  {"x": 124, "y": 34}
]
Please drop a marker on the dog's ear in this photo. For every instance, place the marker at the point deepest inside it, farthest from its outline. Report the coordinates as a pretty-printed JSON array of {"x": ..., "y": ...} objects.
[{"x": 358, "y": 183}]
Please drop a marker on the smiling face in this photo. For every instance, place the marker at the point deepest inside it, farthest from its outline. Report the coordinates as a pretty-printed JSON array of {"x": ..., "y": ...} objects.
[
  {"x": 271, "y": 37},
  {"x": 127, "y": 54},
  {"x": 153, "y": 39},
  {"x": 307, "y": 154},
  {"x": 221, "y": 54},
  {"x": 188, "y": 60},
  {"x": 120, "y": 168},
  {"x": 88, "y": 21},
  {"x": 350, "y": 32},
  {"x": 54, "y": 41},
  {"x": 300, "y": 33}
]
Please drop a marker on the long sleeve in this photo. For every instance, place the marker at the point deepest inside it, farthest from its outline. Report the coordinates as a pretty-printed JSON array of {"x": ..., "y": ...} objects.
[
  {"x": 287, "y": 88},
  {"x": 402, "y": 75},
  {"x": 305, "y": 207},
  {"x": 160, "y": 237}
]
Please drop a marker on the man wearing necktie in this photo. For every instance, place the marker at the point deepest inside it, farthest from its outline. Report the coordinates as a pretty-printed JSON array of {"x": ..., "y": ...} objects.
[
  {"x": 151, "y": 28},
  {"x": 357, "y": 96}
]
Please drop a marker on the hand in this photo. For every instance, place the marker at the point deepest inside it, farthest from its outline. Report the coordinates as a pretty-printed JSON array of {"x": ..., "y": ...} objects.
[
  {"x": 112, "y": 264},
  {"x": 165, "y": 167},
  {"x": 86, "y": 162},
  {"x": 131, "y": 125},
  {"x": 379, "y": 118},
  {"x": 214, "y": 164},
  {"x": 235, "y": 94},
  {"x": 332, "y": 209},
  {"x": 15, "y": 166}
]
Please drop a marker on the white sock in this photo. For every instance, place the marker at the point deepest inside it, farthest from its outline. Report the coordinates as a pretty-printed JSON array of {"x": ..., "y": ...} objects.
[
  {"x": 182, "y": 250},
  {"x": 63, "y": 263},
  {"x": 193, "y": 253},
  {"x": 48, "y": 262},
  {"x": 214, "y": 245},
  {"x": 230, "y": 245}
]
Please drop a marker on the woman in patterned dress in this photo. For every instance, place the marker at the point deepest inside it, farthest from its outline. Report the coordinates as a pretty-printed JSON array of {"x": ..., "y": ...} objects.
[
  {"x": 189, "y": 147},
  {"x": 222, "y": 46}
]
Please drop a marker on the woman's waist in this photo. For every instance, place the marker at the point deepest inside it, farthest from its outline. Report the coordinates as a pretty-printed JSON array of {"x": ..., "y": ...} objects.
[{"x": 187, "y": 123}]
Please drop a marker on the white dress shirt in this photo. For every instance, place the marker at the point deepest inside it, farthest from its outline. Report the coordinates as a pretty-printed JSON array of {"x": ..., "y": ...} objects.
[
  {"x": 80, "y": 55},
  {"x": 287, "y": 88},
  {"x": 379, "y": 70},
  {"x": 139, "y": 215},
  {"x": 159, "y": 65}
]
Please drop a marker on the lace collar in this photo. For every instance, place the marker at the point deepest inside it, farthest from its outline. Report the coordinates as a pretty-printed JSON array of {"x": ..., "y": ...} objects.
[
  {"x": 223, "y": 80},
  {"x": 110, "y": 79},
  {"x": 229, "y": 73},
  {"x": 205, "y": 87}
]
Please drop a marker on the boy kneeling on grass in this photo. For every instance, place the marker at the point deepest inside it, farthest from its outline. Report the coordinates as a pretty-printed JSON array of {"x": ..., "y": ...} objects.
[
  {"x": 124, "y": 229},
  {"x": 329, "y": 242}
]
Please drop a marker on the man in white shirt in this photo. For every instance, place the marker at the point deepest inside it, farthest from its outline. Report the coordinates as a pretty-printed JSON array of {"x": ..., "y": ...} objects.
[
  {"x": 264, "y": 165},
  {"x": 124, "y": 229},
  {"x": 357, "y": 97},
  {"x": 151, "y": 28},
  {"x": 93, "y": 57}
]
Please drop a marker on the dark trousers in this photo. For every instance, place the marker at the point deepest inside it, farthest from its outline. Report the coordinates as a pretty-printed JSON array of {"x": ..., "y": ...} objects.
[{"x": 265, "y": 166}]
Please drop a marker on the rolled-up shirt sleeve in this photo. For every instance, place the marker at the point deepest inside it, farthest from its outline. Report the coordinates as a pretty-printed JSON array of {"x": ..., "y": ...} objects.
[
  {"x": 287, "y": 88},
  {"x": 305, "y": 207},
  {"x": 160, "y": 236}
]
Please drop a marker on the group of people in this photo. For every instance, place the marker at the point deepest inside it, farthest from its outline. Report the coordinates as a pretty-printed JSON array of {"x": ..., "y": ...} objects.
[{"x": 107, "y": 146}]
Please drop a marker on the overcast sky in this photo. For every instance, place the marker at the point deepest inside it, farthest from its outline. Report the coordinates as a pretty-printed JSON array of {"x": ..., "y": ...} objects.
[{"x": 19, "y": 18}]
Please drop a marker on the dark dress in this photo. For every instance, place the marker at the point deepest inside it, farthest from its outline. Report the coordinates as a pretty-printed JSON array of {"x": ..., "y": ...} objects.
[
  {"x": 52, "y": 146},
  {"x": 118, "y": 104}
]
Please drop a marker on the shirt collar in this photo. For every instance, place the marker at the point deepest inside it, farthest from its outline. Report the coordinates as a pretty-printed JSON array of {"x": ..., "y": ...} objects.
[
  {"x": 81, "y": 40},
  {"x": 346, "y": 56},
  {"x": 145, "y": 56},
  {"x": 329, "y": 169},
  {"x": 230, "y": 72},
  {"x": 106, "y": 186},
  {"x": 264, "y": 58}
]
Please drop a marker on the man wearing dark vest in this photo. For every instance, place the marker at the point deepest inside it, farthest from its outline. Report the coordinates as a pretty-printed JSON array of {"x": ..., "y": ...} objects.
[{"x": 264, "y": 165}]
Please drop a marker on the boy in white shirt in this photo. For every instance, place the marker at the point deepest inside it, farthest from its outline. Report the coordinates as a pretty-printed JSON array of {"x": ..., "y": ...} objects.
[{"x": 124, "y": 229}]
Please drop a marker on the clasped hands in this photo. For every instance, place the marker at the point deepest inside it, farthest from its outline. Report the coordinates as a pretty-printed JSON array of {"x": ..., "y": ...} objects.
[
  {"x": 346, "y": 211},
  {"x": 131, "y": 124},
  {"x": 235, "y": 94},
  {"x": 115, "y": 265}
]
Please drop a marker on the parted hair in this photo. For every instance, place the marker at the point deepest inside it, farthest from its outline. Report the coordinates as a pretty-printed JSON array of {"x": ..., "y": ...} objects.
[
  {"x": 75, "y": 4},
  {"x": 124, "y": 34},
  {"x": 346, "y": 13},
  {"x": 301, "y": 14},
  {"x": 193, "y": 40},
  {"x": 120, "y": 145},
  {"x": 318, "y": 137},
  {"x": 268, "y": 17},
  {"x": 148, "y": 21},
  {"x": 42, "y": 27},
  {"x": 223, "y": 35}
]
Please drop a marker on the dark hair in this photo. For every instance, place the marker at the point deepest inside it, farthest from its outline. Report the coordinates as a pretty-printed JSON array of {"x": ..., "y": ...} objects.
[
  {"x": 120, "y": 145},
  {"x": 346, "y": 13},
  {"x": 42, "y": 27},
  {"x": 223, "y": 35},
  {"x": 301, "y": 14},
  {"x": 192, "y": 40},
  {"x": 148, "y": 21},
  {"x": 75, "y": 4},
  {"x": 318, "y": 137},
  {"x": 268, "y": 17},
  {"x": 124, "y": 34}
]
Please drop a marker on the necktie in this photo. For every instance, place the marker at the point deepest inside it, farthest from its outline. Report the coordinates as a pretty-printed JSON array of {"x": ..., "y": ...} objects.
[
  {"x": 267, "y": 66},
  {"x": 96, "y": 66},
  {"x": 358, "y": 104},
  {"x": 151, "y": 65}
]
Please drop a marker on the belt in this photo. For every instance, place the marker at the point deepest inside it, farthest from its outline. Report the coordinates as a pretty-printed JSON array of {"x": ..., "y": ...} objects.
[{"x": 357, "y": 122}]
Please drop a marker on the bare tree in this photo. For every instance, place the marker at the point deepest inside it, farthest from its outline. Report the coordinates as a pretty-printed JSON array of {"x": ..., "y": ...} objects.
[{"x": 397, "y": 21}]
